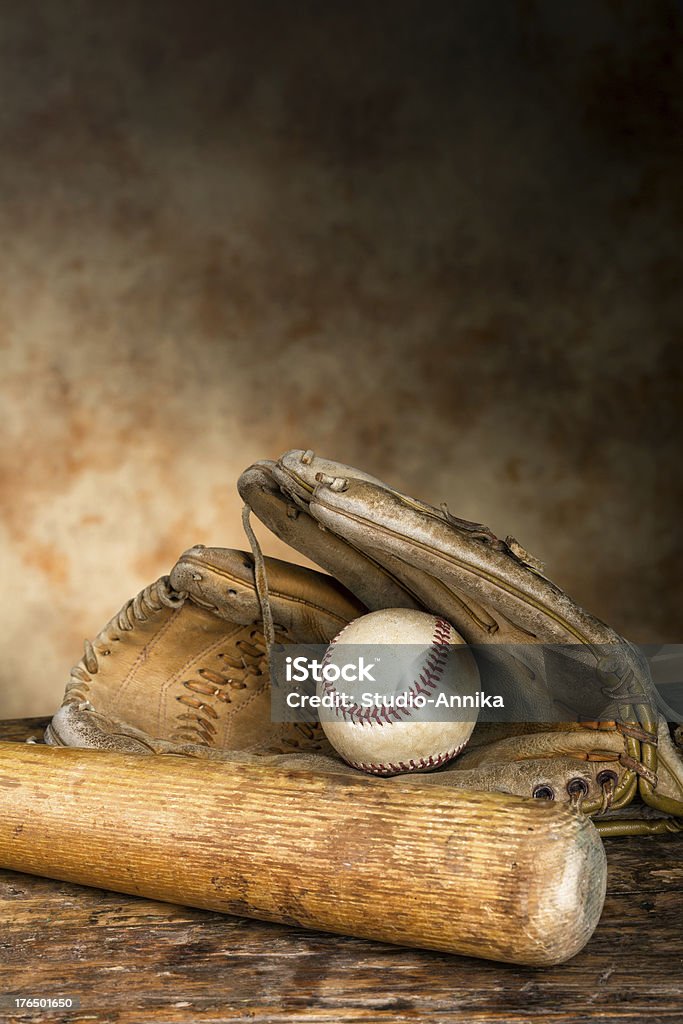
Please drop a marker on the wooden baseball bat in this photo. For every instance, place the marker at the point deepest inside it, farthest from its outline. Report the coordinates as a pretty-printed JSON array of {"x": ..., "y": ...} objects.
[{"x": 480, "y": 874}]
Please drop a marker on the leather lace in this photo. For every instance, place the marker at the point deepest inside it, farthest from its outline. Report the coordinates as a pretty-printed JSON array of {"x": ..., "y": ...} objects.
[
  {"x": 141, "y": 608},
  {"x": 240, "y": 669},
  {"x": 260, "y": 578}
]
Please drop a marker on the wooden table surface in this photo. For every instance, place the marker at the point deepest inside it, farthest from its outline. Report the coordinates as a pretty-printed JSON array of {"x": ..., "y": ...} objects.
[{"x": 134, "y": 961}]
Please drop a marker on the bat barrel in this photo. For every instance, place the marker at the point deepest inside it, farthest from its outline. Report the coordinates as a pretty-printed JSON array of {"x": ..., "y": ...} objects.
[{"x": 480, "y": 874}]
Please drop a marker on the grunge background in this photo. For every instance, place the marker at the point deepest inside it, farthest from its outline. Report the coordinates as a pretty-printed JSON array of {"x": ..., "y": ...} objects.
[{"x": 438, "y": 241}]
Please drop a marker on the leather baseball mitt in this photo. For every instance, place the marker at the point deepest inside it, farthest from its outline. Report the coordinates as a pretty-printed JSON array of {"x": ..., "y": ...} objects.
[
  {"x": 393, "y": 551},
  {"x": 183, "y": 667}
]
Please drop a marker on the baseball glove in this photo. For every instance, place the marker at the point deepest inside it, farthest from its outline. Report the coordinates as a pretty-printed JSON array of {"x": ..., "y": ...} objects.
[
  {"x": 393, "y": 551},
  {"x": 183, "y": 667}
]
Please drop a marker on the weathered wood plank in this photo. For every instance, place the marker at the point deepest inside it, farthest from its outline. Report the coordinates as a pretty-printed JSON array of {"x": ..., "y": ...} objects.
[{"x": 133, "y": 955}]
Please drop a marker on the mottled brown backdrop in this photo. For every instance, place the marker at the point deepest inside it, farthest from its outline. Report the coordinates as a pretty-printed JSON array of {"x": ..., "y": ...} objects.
[{"x": 440, "y": 241}]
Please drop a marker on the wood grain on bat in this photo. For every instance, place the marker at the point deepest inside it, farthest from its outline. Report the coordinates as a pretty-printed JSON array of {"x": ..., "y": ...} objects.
[{"x": 475, "y": 873}]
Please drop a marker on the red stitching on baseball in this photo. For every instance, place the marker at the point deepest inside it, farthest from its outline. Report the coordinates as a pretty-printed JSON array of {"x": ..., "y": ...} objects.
[
  {"x": 428, "y": 680},
  {"x": 393, "y": 767}
]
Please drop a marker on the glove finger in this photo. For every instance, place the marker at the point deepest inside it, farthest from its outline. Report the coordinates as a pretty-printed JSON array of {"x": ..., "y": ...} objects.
[
  {"x": 457, "y": 571},
  {"x": 291, "y": 483},
  {"x": 286, "y": 514},
  {"x": 526, "y": 606},
  {"x": 305, "y": 603}
]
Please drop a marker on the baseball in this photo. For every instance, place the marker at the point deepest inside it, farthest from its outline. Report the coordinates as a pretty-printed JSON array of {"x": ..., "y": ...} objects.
[{"x": 414, "y": 669}]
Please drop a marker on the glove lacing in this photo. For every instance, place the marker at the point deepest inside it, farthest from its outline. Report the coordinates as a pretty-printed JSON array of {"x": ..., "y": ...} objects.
[
  {"x": 152, "y": 599},
  {"x": 260, "y": 579}
]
